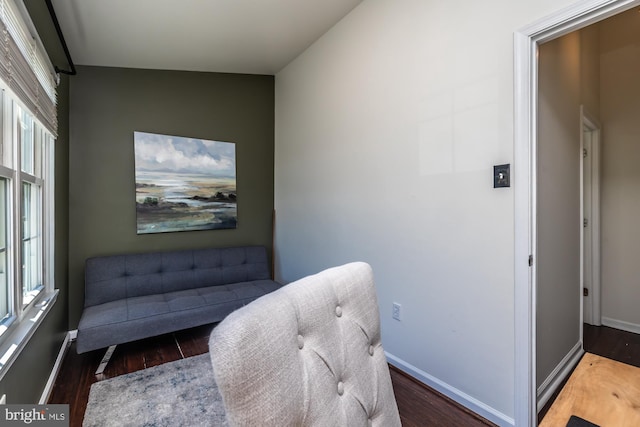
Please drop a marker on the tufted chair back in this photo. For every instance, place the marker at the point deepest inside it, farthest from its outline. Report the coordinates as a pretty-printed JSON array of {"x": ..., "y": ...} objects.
[{"x": 308, "y": 354}]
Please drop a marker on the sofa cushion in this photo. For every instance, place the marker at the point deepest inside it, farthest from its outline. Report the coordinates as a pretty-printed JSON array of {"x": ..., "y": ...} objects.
[
  {"x": 139, "y": 317},
  {"x": 135, "y": 296},
  {"x": 117, "y": 277}
]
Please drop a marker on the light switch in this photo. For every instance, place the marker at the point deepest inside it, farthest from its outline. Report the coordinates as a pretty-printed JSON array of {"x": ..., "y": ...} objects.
[{"x": 502, "y": 176}]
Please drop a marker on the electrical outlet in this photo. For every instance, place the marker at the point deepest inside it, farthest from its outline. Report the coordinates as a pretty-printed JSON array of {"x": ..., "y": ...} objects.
[
  {"x": 396, "y": 311},
  {"x": 3, "y": 399}
]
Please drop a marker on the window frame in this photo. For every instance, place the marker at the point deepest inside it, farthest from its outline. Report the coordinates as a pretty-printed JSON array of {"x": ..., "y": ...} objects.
[
  {"x": 5, "y": 175},
  {"x": 28, "y": 79},
  {"x": 25, "y": 316}
]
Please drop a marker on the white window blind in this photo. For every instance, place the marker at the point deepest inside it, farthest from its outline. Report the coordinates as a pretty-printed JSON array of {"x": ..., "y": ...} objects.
[{"x": 24, "y": 64}]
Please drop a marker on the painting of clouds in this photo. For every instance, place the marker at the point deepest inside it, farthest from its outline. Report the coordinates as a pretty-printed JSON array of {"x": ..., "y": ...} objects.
[{"x": 184, "y": 184}]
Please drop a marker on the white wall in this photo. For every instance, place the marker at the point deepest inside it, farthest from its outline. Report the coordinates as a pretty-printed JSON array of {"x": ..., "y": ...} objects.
[
  {"x": 620, "y": 109},
  {"x": 387, "y": 130}
]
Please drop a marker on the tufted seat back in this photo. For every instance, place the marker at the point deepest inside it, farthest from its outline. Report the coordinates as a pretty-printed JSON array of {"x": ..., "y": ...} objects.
[
  {"x": 117, "y": 277},
  {"x": 308, "y": 354}
]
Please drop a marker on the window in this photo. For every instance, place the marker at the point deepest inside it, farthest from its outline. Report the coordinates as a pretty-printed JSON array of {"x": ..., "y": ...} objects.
[
  {"x": 4, "y": 281},
  {"x": 31, "y": 203},
  {"x": 31, "y": 243},
  {"x": 28, "y": 125},
  {"x": 25, "y": 216}
]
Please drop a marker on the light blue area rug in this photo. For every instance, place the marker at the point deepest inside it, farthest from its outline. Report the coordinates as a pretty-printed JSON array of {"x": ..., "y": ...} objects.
[{"x": 180, "y": 393}]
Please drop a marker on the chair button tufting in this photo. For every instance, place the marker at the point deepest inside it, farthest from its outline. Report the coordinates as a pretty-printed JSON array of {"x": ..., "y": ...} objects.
[
  {"x": 338, "y": 311},
  {"x": 340, "y": 388},
  {"x": 300, "y": 342},
  {"x": 370, "y": 350}
]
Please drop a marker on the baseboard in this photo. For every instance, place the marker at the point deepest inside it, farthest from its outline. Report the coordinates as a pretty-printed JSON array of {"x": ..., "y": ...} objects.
[
  {"x": 56, "y": 368},
  {"x": 621, "y": 324},
  {"x": 453, "y": 393},
  {"x": 555, "y": 378},
  {"x": 73, "y": 335}
]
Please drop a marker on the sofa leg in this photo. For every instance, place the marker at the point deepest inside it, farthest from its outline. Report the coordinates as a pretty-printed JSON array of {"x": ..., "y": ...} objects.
[{"x": 105, "y": 359}]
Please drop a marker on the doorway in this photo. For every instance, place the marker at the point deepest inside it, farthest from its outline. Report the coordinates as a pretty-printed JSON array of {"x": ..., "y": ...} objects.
[{"x": 526, "y": 43}]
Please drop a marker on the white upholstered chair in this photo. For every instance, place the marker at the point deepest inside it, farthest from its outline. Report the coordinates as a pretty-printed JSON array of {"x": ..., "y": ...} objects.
[{"x": 308, "y": 354}]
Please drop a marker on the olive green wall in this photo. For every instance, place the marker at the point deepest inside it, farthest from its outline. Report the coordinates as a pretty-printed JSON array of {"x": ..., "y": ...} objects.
[
  {"x": 94, "y": 195},
  {"x": 108, "y": 105},
  {"x": 24, "y": 382}
]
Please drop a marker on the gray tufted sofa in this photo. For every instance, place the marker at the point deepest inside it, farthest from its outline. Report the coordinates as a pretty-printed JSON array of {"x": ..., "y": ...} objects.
[
  {"x": 135, "y": 296},
  {"x": 308, "y": 354}
]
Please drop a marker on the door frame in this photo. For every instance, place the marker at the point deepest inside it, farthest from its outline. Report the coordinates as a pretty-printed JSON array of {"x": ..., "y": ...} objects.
[
  {"x": 526, "y": 42},
  {"x": 590, "y": 124}
]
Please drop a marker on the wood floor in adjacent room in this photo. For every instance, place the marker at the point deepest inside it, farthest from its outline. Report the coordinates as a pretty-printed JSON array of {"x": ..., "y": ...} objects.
[
  {"x": 419, "y": 405},
  {"x": 614, "y": 344}
]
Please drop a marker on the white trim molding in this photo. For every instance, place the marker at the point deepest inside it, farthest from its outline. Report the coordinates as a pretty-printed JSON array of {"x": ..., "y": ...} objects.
[
  {"x": 18, "y": 338},
  {"x": 590, "y": 204},
  {"x": 621, "y": 324},
  {"x": 44, "y": 397},
  {"x": 451, "y": 392},
  {"x": 524, "y": 270},
  {"x": 558, "y": 375},
  {"x": 526, "y": 42}
]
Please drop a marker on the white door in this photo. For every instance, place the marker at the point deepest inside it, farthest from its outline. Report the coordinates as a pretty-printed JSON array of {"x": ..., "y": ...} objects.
[{"x": 591, "y": 220}]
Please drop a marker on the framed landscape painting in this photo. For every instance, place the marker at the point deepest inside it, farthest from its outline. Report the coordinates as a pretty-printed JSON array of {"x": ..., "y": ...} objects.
[{"x": 184, "y": 184}]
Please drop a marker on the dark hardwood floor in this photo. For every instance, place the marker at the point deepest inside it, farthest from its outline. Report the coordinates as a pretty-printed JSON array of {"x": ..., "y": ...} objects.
[
  {"x": 613, "y": 344},
  {"x": 419, "y": 405}
]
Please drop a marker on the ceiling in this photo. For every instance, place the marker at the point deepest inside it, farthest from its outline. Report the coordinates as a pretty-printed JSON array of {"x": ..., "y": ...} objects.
[{"x": 234, "y": 36}]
